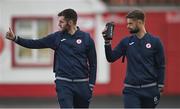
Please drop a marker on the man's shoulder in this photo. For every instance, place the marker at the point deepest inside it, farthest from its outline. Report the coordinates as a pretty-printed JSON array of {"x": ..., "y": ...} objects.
[
  {"x": 154, "y": 39},
  {"x": 152, "y": 36},
  {"x": 57, "y": 34},
  {"x": 84, "y": 35},
  {"x": 127, "y": 38}
]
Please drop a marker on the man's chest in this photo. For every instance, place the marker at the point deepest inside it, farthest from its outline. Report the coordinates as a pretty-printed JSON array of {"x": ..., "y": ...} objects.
[
  {"x": 141, "y": 48},
  {"x": 72, "y": 45}
]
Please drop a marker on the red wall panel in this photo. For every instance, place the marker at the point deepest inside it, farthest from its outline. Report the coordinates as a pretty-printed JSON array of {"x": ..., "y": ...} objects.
[{"x": 173, "y": 59}]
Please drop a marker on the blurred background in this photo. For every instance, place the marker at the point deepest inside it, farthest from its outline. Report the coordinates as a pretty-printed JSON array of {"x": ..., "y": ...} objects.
[{"x": 26, "y": 76}]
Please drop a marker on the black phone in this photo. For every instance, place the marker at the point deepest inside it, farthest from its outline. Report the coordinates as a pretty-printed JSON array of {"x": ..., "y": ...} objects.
[{"x": 110, "y": 30}]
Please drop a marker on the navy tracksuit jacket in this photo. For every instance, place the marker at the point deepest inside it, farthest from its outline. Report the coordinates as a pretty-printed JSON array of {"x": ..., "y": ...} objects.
[
  {"x": 145, "y": 63},
  {"x": 74, "y": 59},
  {"x": 74, "y": 56},
  {"x": 145, "y": 59}
]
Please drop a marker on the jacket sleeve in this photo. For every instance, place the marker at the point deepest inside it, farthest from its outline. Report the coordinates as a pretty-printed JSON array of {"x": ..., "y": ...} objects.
[
  {"x": 116, "y": 53},
  {"x": 46, "y": 42},
  {"x": 160, "y": 63},
  {"x": 92, "y": 59}
]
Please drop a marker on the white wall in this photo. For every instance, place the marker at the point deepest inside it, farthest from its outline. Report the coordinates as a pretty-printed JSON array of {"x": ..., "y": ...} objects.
[{"x": 15, "y": 8}]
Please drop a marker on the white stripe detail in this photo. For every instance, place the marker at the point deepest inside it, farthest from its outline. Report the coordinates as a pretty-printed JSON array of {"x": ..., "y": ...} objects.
[
  {"x": 160, "y": 85},
  {"x": 72, "y": 80},
  {"x": 140, "y": 86},
  {"x": 91, "y": 85},
  {"x": 16, "y": 38}
]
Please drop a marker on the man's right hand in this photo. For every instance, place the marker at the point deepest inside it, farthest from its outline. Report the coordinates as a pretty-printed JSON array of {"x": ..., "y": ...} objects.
[
  {"x": 106, "y": 40},
  {"x": 104, "y": 33},
  {"x": 10, "y": 35}
]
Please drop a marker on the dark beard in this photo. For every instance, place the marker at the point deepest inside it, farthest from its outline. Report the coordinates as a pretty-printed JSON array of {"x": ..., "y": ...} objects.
[
  {"x": 65, "y": 30},
  {"x": 133, "y": 31}
]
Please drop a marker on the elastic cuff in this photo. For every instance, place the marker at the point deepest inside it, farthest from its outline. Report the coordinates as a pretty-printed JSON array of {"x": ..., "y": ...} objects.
[
  {"x": 91, "y": 85},
  {"x": 160, "y": 85},
  {"x": 15, "y": 39},
  {"x": 107, "y": 42}
]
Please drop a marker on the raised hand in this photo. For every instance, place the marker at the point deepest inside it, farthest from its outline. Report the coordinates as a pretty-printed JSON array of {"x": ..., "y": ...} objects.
[
  {"x": 104, "y": 33},
  {"x": 10, "y": 34}
]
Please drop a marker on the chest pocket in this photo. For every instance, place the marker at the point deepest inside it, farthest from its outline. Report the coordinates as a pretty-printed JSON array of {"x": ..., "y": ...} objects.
[
  {"x": 148, "y": 50},
  {"x": 79, "y": 46}
]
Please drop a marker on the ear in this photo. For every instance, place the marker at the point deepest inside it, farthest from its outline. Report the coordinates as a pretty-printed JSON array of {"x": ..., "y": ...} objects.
[
  {"x": 70, "y": 22},
  {"x": 140, "y": 22}
]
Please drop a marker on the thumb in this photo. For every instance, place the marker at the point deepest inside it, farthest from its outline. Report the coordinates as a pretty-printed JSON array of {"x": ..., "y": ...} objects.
[{"x": 11, "y": 31}]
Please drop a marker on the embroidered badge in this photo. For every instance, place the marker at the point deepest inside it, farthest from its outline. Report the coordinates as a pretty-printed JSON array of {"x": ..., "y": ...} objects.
[
  {"x": 78, "y": 41},
  {"x": 148, "y": 45}
]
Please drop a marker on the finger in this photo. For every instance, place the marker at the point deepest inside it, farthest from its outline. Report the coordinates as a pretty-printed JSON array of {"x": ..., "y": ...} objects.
[
  {"x": 105, "y": 29},
  {"x": 10, "y": 30}
]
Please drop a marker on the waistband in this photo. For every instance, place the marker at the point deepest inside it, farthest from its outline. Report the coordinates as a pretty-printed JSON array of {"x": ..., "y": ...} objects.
[
  {"x": 72, "y": 80},
  {"x": 141, "y": 86}
]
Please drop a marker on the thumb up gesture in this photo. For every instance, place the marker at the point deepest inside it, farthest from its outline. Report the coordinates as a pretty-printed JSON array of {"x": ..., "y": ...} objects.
[{"x": 10, "y": 35}]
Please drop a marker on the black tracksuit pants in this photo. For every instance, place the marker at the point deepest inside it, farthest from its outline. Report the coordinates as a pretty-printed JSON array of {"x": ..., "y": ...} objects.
[{"x": 73, "y": 94}]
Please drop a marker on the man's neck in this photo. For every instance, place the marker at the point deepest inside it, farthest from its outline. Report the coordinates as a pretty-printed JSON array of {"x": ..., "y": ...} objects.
[
  {"x": 141, "y": 33},
  {"x": 72, "y": 30}
]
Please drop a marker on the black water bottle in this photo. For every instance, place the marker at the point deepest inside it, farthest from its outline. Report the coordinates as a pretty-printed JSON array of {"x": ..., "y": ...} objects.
[{"x": 110, "y": 30}]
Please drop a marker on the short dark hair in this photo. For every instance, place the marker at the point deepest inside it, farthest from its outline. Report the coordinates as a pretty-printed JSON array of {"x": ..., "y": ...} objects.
[
  {"x": 69, "y": 14},
  {"x": 136, "y": 15}
]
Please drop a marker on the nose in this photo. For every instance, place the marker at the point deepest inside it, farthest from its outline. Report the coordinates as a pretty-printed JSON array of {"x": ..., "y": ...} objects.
[
  {"x": 128, "y": 26},
  {"x": 59, "y": 24}
]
